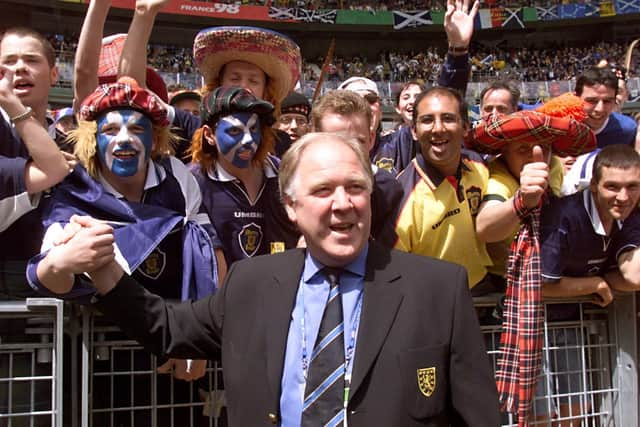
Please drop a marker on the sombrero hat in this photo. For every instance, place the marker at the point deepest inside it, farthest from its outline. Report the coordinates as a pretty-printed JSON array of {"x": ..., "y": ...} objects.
[
  {"x": 277, "y": 55},
  {"x": 557, "y": 123}
]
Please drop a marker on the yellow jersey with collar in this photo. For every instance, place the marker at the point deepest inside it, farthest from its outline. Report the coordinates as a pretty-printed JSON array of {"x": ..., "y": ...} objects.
[
  {"x": 501, "y": 187},
  {"x": 437, "y": 214}
]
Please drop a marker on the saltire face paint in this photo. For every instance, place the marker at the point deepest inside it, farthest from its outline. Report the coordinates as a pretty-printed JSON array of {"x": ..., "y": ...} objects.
[
  {"x": 125, "y": 140},
  {"x": 238, "y": 138}
]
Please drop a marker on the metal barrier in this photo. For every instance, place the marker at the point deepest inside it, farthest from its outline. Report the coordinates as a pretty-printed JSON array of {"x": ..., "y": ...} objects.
[
  {"x": 31, "y": 368},
  {"x": 589, "y": 365},
  {"x": 589, "y": 375},
  {"x": 120, "y": 385}
]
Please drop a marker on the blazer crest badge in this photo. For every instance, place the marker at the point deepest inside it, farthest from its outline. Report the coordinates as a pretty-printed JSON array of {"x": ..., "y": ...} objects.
[{"x": 427, "y": 380}]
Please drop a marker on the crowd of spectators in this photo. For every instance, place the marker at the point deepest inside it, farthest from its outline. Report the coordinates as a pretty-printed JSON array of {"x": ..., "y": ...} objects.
[
  {"x": 383, "y": 5},
  {"x": 549, "y": 63},
  {"x": 523, "y": 63}
]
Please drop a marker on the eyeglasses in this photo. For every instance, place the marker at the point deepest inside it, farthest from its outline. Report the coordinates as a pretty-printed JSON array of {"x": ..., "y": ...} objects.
[{"x": 286, "y": 120}]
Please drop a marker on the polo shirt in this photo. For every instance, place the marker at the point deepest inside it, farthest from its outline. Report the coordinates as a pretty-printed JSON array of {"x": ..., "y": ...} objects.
[
  {"x": 246, "y": 228},
  {"x": 397, "y": 151},
  {"x": 385, "y": 197},
  {"x": 19, "y": 212},
  {"x": 619, "y": 129},
  {"x": 573, "y": 241},
  {"x": 501, "y": 187},
  {"x": 437, "y": 214}
]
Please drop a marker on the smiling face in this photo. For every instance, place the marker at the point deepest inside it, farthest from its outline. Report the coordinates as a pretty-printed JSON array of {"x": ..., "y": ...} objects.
[
  {"x": 599, "y": 102},
  {"x": 496, "y": 101},
  {"x": 440, "y": 130},
  {"x": 616, "y": 193},
  {"x": 33, "y": 76},
  {"x": 405, "y": 103},
  {"x": 125, "y": 141},
  {"x": 331, "y": 203},
  {"x": 238, "y": 138}
]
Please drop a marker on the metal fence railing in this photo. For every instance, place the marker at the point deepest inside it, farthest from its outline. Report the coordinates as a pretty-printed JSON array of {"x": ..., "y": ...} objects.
[
  {"x": 121, "y": 385},
  {"x": 589, "y": 375},
  {"x": 31, "y": 369},
  {"x": 589, "y": 364}
]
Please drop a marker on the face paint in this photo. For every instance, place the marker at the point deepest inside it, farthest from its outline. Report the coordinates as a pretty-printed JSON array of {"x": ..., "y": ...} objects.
[
  {"x": 238, "y": 138},
  {"x": 124, "y": 139}
]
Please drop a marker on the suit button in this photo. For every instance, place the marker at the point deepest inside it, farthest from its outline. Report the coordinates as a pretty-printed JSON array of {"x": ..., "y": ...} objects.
[{"x": 273, "y": 418}]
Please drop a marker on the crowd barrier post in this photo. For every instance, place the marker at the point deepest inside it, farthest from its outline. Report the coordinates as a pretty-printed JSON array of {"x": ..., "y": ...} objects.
[
  {"x": 624, "y": 322},
  {"x": 42, "y": 310}
]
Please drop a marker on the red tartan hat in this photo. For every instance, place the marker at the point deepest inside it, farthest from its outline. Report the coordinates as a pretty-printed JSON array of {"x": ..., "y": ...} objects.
[
  {"x": 108, "y": 66},
  {"x": 125, "y": 93},
  {"x": 559, "y": 125}
]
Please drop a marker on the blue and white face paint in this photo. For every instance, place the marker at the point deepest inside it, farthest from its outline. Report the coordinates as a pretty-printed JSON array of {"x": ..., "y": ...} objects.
[
  {"x": 238, "y": 138},
  {"x": 125, "y": 139}
]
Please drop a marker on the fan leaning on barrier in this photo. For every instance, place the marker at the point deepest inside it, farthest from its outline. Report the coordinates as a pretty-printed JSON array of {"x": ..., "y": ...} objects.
[{"x": 559, "y": 125}]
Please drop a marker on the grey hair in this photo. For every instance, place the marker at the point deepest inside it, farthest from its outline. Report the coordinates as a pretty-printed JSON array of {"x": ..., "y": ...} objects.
[{"x": 288, "y": 170}]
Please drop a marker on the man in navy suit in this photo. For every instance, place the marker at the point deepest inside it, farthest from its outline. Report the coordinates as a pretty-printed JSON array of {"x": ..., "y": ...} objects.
[{"x": 413, "y": 352}]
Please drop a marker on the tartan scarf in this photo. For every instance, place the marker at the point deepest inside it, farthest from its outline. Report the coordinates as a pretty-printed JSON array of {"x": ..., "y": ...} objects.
[{"x": 522, "y": 333}]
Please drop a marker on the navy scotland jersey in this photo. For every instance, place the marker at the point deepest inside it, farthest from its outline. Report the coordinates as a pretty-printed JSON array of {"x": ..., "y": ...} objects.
[
  {"x": 573, "y": 242},
  {"x": 246, "y": 228},
  {"x": 20, "y": 227}
]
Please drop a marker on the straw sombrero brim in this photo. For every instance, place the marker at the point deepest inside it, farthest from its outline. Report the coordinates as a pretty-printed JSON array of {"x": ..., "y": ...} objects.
[
  {"x": 566, "y": 135},
  {"x": 277, "y": 55}
]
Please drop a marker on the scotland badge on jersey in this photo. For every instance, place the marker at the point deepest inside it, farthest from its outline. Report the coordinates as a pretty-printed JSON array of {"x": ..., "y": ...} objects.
[
  {"x": 250, "y": 238},
  {"x": 153, "y": 266},
  {"x": 474, "y": 197}
]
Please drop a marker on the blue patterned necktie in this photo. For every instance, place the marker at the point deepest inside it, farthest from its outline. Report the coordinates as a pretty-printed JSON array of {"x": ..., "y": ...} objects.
[{"x": 323, "y": 393}]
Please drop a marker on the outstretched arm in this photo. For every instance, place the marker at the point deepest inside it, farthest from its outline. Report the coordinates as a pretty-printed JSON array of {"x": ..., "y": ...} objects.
[
  {"x": 88, "y": 53},
  {"x": 458, "y": 24},
  {"x": 133, "y": 61}
]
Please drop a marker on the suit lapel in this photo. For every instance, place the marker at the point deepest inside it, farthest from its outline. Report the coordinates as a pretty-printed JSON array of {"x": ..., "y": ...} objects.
[
  {"x": 279, "y": 301},
  {"x": 379, "y": 307}
]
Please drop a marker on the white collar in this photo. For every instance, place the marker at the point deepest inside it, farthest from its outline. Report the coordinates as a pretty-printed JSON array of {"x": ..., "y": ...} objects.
[
  {"x": 606, "y": 122},
  {"x": 218, "y": 173},
  {"x": 155, "y": 175},
  {"x": 592, "y": 211}
]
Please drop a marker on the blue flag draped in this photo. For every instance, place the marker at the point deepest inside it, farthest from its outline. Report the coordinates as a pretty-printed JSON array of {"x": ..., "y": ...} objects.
[{"x": 138, "y": 230}]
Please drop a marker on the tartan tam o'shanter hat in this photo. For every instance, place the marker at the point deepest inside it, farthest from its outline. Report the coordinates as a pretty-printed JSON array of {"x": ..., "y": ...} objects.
[
  {"x": 125, "y": 93},
  {"x": 110, "y": 52},
  {"x": 558, "y": 123},
  {"x": 227, "y": 100},
  {"x": 275, "y": 54}
]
